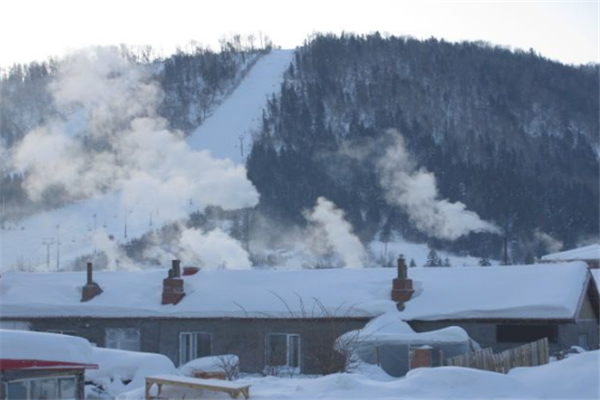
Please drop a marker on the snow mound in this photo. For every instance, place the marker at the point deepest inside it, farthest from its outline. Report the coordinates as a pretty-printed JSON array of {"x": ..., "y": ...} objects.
[
  {"x": 576, "y": 377},
  {"x": 121, "y": 371}
]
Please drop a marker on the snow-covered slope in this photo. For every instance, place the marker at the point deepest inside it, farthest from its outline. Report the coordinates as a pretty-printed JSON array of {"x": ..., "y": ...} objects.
[
  {"x": 232, "y": 123},
  {"x": 23, "y": 243}
]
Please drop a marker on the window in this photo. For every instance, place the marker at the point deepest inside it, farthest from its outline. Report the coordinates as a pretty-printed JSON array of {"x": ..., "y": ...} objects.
[
  {"x": 283, "y": 350},
  {"x": 583, "y": 341},
  {"x": 123, "y": 339},
  {"x": 194, "y": 345},
  {"x": 42, "y": 388},
  {"x": 525, "y": 333}
]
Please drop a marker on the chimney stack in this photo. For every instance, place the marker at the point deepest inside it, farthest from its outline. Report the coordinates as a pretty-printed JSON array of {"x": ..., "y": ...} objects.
[
  {"x": 91, "y": 288},
  {"x": 90, "y": 268},
  {"x": 402, "y": 289},
  {"x": 173, "y": 285}
]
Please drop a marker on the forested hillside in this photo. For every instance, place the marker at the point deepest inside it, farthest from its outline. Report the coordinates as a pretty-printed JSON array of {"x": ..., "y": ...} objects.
[{"x": 511, "y": 135}]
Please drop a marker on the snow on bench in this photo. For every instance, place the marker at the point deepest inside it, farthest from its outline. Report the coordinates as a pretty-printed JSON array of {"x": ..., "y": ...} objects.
[{"x": 216, "y": 385}]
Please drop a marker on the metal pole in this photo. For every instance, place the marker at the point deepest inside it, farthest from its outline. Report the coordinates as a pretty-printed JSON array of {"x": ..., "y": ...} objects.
[
  {"x": 48, "y": 242},
  {"x": 58, "y": 247}
]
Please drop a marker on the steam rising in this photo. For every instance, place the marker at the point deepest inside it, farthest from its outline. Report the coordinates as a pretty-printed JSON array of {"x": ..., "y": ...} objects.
[
  {"x": 108, "y": 137},
  {"x": 552, "y": 245},
  {"x": 415, "y": 191},
  {"x": 216, "y": 249},
  {"x": 115, "y": 257},
  {"x": 336, "y": 233}
]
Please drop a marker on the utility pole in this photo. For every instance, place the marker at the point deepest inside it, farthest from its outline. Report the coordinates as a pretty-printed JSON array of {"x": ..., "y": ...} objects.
[
  {"x": 241, "y": 137},
  {"x": 95, "y": 225},
  {"x": 48, "y": 242},
  {"x": 58, "y": 247},
  {"x": 126, "y": 211}
]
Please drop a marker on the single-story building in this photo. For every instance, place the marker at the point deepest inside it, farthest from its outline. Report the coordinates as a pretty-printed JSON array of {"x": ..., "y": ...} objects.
[
  {"x": 286, "y": 318},
  {"x": 36, "y": 365},
  {"x": 588, "y": 254}
]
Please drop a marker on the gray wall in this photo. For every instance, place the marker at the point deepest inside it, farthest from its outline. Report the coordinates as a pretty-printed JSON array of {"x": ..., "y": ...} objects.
[
  {"x": 243, "y": 337},
  {"x": 484, "y": 333},
  {"x": 246, "y": 337}
]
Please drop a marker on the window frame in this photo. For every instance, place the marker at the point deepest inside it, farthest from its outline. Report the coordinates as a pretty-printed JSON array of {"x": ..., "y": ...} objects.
[
  {"x": 288, "y": 356},
  {"x": 195, "y": 350},
  {"x": 57, "y": 380},
  {"x": 107, "y": 341}
]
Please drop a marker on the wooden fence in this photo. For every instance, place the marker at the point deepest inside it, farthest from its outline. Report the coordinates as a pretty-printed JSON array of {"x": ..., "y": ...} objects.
[{"x": 529, "y": 355}]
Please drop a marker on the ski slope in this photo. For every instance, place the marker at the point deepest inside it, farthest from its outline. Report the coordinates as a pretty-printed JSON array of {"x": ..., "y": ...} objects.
[
  {"x": 32, "y": 243},
  {"x": 231, "y": 125}
]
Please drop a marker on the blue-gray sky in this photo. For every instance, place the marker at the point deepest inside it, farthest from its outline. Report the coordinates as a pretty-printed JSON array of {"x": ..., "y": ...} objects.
[{"x": 35, "y": 29}]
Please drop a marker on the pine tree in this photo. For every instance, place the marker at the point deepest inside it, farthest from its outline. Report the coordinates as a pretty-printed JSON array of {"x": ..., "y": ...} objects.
[
  {"x": 433, "y": 260},
  {"x": 447, "y": 262},
  {"x": 484, "y": 262},
  {"x": 412, "y": 263}
]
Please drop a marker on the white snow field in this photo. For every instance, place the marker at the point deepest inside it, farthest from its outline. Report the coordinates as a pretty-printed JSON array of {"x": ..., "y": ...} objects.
[
  {"x": 27, "y": 244},
  {"x": 577, "y": 377},
  {"x": 241, "y": 113}
]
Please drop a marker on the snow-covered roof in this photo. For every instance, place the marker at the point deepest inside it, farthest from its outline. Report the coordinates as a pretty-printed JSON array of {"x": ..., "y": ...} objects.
[
  {"x": 591, "y": 252},
  {"x": 390, "y": 327},
  {"x": 529, "y": 291},
  {"x": 23, "y": 349}
]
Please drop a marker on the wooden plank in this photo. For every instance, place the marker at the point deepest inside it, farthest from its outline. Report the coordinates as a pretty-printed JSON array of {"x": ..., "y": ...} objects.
[{"x": 231, "y": 388}]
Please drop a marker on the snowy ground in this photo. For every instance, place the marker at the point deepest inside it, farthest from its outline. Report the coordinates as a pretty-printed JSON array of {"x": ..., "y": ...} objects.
[{"x": 577, "y": 377}]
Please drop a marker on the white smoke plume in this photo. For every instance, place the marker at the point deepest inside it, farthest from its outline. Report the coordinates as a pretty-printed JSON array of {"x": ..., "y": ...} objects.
[
  {"x": 116, "y": 259},
  {"x": 415, "y": 191},
  {"x": 336, "y": 233},
  {"x": 551, "y": 244},
  {"x": 215, "y": 249},
  {"x": 110, "y": 137}
]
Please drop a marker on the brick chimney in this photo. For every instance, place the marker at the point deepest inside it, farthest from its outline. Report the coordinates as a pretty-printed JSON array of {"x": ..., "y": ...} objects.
[
  {"x": 91, "y": 288},
  {"x": 402, "y": 289},
  {"x": 173, "y": 285}
]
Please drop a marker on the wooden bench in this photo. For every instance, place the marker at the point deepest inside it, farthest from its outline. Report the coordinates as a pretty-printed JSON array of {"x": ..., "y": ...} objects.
[{"x": 216, "y": 385}]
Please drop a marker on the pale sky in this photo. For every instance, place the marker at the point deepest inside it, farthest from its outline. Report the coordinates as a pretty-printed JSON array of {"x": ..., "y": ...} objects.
[{"x": 36, "y": 29}]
